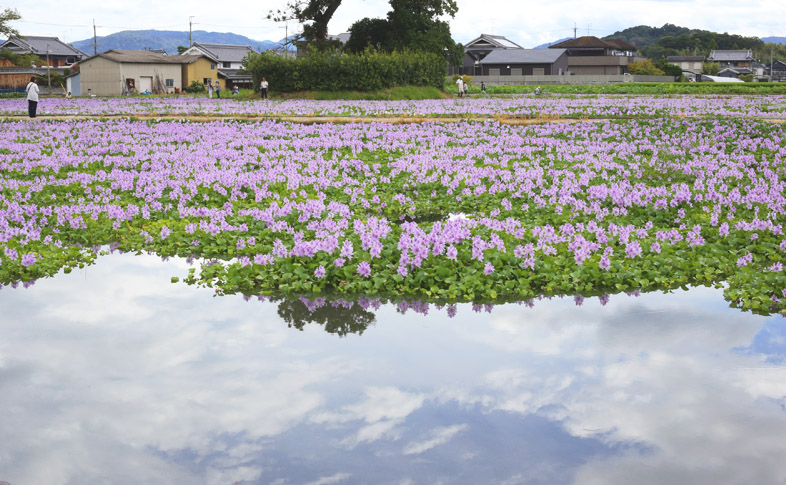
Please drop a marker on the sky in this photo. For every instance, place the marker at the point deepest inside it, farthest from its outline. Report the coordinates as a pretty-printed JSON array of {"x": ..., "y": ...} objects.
[{"x": 526, "y": 23}]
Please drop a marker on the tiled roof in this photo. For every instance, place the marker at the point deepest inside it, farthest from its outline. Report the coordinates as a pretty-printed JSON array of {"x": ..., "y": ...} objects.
[
  {"x": 730, "y": 56},
  {"x": 497, "y": 41},
  {"x": 38, "y": 46},
  {"x": 685, "y": 58},
  {"x": 224, "y": 52},
  {"x": 144, "y": 57},
  {"x": 523, "y": 56},
  {"x": 592, "y": 42}
]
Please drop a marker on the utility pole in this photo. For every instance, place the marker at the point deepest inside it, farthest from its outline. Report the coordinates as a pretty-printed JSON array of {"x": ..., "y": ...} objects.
[
  {"x": 190, "y": 41},
  {"x": 95, "y": 41},
  {"x": 771, "y": 49},
  {"x": 48, "y": 71},
  {"x": 574, "y": 29}
]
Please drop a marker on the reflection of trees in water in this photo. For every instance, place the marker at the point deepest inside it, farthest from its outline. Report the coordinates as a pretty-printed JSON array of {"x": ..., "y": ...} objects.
[
  {"x": 341, "y": 316},
  {"x": 338, "y": 316}
]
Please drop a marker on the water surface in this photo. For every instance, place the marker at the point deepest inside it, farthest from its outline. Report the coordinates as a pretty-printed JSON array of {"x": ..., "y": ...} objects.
[{"x": 112, "y": 374}]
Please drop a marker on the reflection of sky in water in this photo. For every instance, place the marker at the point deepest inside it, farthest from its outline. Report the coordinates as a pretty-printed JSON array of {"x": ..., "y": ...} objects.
[{"x": 114, "y": 375}]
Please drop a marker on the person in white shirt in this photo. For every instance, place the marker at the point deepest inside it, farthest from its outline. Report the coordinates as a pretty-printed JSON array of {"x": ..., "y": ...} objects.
[
  {"x": 460, "y": 86},
  {"x": 32, "y": 97},
  {"x": 263, "y": 88}
]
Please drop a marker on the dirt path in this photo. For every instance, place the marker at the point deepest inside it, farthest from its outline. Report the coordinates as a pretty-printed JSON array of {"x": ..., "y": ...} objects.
[{"x": 507, "y": 120}]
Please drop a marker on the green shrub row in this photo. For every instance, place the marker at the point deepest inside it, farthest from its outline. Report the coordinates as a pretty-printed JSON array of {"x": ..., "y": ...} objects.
[{"x": 336, "y": 71}]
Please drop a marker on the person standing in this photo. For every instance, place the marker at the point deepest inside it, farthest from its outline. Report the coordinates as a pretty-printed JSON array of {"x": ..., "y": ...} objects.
[
  {"x": 482, "y": 87},
  {"x": 218, "y": 90},
  {"x": 210, "y": 90},
  {"x": 32, "y": 96},
  {"x": 263, "y": 88},
  {"x": 460, "y": 86}
]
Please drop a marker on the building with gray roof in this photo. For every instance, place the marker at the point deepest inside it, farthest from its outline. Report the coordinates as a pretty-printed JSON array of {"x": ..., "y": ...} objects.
[
  {"x": 58, "y": 52},
  {"x": 525, "y": 62}
]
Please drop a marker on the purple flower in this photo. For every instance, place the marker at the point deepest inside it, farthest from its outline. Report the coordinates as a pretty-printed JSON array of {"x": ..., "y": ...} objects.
[
  {"x": 339, "y": 262},
  {"x": 402, "y": 270},
  {"x": 165, "y": 232},
  {"x": 655, "y": 248},
  {"x": 320, "y": 271},
  {"x": 633, "y": 249},
  {"x": 28, "y": 259},
  {"x": 451, "y": 252},
  {"x": 364, "y": 269},
  {"x": 488, "y": 269}
]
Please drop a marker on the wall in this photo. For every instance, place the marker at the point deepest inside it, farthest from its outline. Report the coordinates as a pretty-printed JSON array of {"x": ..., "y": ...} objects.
[
  {"x": 162, "y": 71},
  {"x": 100, "y": 77},
  {"x": 199, "y": 70}
]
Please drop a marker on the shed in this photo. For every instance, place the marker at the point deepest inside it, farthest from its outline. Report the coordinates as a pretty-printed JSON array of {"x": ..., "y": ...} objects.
[
  {"x": 525, "y": 62},
  {"x": 118, "y": 72}
]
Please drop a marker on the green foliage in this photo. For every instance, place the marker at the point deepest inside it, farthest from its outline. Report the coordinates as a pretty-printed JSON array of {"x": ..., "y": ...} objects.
[
  {"x": 748, "y": 78},
  {"x": 370, "y": 70},
  {"x": 195, "y": 87},
  {"x": 669, "y": 40},
  {"x": 368, "y": 33},
  {"x": 645, "y": 68},
  {"x": 314, "y": 15},
  {"x": 710, "y": 68},
  {"x": 21, "y": 60},
  {"x": 181, "y": 49},
  {"x": 668, "y": 68},
  {"x": 8, "y": 15}
]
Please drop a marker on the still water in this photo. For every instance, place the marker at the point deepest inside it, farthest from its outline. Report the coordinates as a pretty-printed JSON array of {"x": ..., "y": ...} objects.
[{"x": 112, "y": 374}]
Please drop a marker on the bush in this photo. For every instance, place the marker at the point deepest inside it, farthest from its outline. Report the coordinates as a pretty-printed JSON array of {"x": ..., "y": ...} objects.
[
  {"x": 195, "y": 87},
  {"x": 333, "y": 70},
  {"x": 748, "y": 78}
]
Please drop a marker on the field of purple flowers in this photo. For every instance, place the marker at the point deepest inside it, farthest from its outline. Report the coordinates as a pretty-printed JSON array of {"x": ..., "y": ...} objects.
[
  {"x": 596, "y": 106},
  {"x": 462, "y": 211}
]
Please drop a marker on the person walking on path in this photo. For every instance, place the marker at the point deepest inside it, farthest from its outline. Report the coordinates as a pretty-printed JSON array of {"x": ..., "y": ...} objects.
[
  {"x": 218, "y": 90},
  {"x": 460, "y": 86},
  {"x": 263, "y": 88},
  {"x": 32, "y": 97}
]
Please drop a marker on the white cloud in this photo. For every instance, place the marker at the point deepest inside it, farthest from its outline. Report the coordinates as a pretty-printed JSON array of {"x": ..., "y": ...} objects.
[{"x": 437, "y": 436}]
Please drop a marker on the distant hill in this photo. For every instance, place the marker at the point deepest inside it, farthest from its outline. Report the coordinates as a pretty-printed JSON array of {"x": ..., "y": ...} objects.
[
  {"x": 774, "y": 40},
  {"x": 168, "y": 40},
  {"x": 547, "y": 44}
]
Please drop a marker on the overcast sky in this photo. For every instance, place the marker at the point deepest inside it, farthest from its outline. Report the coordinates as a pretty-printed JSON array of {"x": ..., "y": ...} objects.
[{"x": 527, "y": 23}]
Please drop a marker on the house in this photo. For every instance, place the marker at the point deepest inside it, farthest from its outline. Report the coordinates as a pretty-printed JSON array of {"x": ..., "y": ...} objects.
[
  {"x": 200, "y": 68},
  {"x": 117, "y": 72},
  {"x": 777, "y": 71},
  {"x": 227, "y": 62},
  {"x": 58, "y": 53},
  {"x": 15, "y": 79},
  {"x": 732, "y": 58},
  {"x": 688, "y": 64},
  {"x": 590, "y": 55},
  {"x": 477, "y": 49},
  {"x": 734, "y": 72},
  {"x": 523, "y": 62}
]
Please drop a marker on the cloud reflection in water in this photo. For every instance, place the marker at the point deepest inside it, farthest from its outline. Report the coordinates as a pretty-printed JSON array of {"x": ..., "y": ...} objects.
[{"x": 114, "y": 374}]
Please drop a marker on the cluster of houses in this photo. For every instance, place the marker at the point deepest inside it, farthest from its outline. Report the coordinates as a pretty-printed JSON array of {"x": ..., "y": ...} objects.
[
  {"x": 117, "y": 72},
  {"x": 733, "y": 64}
]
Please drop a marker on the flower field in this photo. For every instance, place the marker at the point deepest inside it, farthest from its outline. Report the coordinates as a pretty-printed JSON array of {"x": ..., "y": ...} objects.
[
  {"x": 576, "y": 106},
  {"x": 464, "y": 211}
]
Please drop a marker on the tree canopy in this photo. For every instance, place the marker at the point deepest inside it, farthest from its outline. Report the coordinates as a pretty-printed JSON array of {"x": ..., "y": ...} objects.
[
  {"x": 7, "y": 16},
  {"x": 313, "y": 14},
  {"x": 410, "y": 24}
]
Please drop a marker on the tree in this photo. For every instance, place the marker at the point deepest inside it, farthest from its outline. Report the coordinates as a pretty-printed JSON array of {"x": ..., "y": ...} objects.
[
  {"x": 410, "y": 24},
  {"x": 313, "y": 14},
  {"x": 710, "y": 68},
  {"x": 644, "y": 68},
  {"x": 668, "y": 68},
  {"x": 181, "y": 49},
  {"x": 368, "y": 32},
  {"x": 8, "y": 15}
]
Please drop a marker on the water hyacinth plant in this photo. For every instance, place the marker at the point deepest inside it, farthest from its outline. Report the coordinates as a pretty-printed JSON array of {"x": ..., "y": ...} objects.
[{"x": 457, "y": 211}]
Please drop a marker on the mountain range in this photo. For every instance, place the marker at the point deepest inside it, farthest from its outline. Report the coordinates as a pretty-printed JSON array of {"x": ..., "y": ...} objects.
[{"x": 169, "y": 40}]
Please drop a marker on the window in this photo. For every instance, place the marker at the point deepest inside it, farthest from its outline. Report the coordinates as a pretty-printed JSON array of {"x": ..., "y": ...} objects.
[
  {"x": 170, "y": 83},
  {"x": 227, "y": 65},
  {"x": 212, "y": 67},
  {"x": 207, "y": 80}
]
